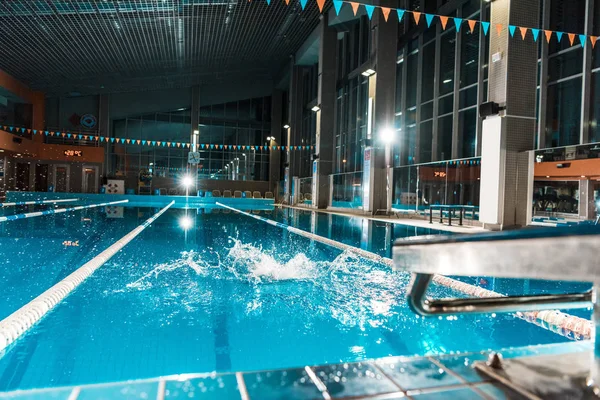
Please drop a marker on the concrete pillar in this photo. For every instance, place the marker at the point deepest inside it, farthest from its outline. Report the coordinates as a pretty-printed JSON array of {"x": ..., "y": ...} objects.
[
  {"x": 512, "y": 84},
  {"x": 587, "y": 206},
  {"x": 276, "y": 127},
  {"x": 326, "y": 95},
  {"x": 384, "y": 100},
  {"x": 295, "y": 122},
  {"x": 195, "y": 108}
]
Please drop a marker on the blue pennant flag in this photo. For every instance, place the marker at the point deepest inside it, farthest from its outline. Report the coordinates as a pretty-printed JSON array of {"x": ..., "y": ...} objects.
[
  {"x": 23, "y": 130},
  {"x": 400, "y": 14},
  {"x": 153, "y": 143},
  {"x": 429, "y": 18},
  {"x": 112, "y": 139},
  {"x": 458, "y": 23},
  {"x": 337, "y": 4},
  {"x": 255, "y": 147},
  {"x": 221, "y": 146},
  {"x": 69, "y": 135},
  {"x": 486, "y": 27},
  {"x": 102, "y": 138},
  {"x": 122, "y": 140},
  {"x": 535, "y": 33},
  {"x": 239, "y": 147},
  {"x": 46, "y": 133},
  {"x": 80, "y": 136},
  {"x": 274, "y": 147},
  {"x": 559, "y": 36},
  {"x": 202, "y": 146},
  {"x": 144, "y": 142},
  {"x": 212, "y": 146},
  {"x": 582, "y": 39},
  {"x": 268, "y": 2},
  {"x": 370, "y": 10},
  {"x": 10, "y": 128},
  {"x": 303, "y": 4},
  {"x": 35, "y": 131},
  {"x": 511, "y": 29}
]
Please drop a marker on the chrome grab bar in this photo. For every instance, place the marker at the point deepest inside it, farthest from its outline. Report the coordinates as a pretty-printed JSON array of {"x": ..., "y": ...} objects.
[{"x": 419, "y": 304}]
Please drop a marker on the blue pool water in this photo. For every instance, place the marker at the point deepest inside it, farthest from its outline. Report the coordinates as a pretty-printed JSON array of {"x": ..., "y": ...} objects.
[{"x": 232, "y": 294}]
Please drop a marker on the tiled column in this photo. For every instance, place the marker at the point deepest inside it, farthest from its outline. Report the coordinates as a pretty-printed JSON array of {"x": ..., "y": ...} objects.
[
  {"x": 295, "y": 122},
  {"x": 587, "y": 206},
  {"x": 323, "y": 165},
  {"x": 512, "y": 84},
  {"x": 276, "y": 127}
]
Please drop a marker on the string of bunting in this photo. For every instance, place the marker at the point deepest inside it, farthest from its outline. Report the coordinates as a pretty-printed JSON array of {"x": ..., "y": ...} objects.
[
  {"x": 154, "y": 143},
  {"x": 200, "y": 170},
  {"x": 458, "y": 22}
]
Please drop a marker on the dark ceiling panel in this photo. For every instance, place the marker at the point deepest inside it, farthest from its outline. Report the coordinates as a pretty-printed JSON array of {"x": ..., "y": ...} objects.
[{"x": 97, "y": 46}]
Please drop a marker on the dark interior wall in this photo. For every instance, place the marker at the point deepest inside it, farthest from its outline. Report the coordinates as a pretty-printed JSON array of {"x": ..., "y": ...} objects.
[{"x": 65, "y": 112}]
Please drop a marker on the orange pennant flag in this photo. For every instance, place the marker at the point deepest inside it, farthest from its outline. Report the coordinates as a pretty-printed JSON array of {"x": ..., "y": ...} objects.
[
  {"x": 571, "y": 38},
  {"x": 51, "y": 133},
  {"x": 386, "y": 13},
  {"x": 354, "y": 7},
  {"x": 178, "y": 144},
  {"x": 28, "y": 130},
  {"x": 593, "y": 39},
  {"x": 444, "y": 21},
  {"x": 128, "y": 141},
  {"x": 139, "y": 141},
  {"x": 523, "y": 32},
  {"x": 188, "y": 145},
  {"x": 97, "y": 138},
  {"x": 168, "y": 144},
  {"x": 320, "y": 3},
  {"x": 287, "y": 2},
  {"x": 499, "y": 29},
  {"x": 548, "y": 36},
  {"x": 417, "y": 16},
  {"x": 85, "y": 137},
  {"x": 472, "y": 24},
  {"x": 63, "y": 134}
]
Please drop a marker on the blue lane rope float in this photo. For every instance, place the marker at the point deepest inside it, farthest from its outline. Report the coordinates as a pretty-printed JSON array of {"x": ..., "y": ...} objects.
[
  {"x": 36, "y": 202},
  {"x": 57, "y": 211},
  {"x": 556, "y": 321},
  {"x": 19, "y": 322}
]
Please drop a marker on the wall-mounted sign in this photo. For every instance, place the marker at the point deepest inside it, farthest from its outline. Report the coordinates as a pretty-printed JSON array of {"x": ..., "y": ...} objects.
[
  {"x": 439, "y": 174},
  {"x": 73, "y": 153},
  {"x": 88, "y": 121}
]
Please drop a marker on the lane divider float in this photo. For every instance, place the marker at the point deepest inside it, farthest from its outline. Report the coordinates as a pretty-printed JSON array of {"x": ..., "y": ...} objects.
[
  {"x": 36, "y": 202},
  {"x": 19, "y": 322},
  {"x": 57, "y": 211},
  {"x": 567, "y": 325}
]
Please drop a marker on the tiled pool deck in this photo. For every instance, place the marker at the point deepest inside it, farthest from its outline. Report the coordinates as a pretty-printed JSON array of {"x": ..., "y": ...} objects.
[{"x": 419, "y": 378}]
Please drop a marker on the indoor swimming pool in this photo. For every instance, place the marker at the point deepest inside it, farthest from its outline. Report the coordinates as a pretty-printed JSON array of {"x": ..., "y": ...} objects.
[{"x": 228, "y": 294}]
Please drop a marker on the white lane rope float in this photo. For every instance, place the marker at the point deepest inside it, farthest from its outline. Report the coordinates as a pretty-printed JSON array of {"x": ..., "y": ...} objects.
[
  {"x": 567, "y": 325},
  {"x": 19, "y": 322},
  {"x": 57, "y": 211},
  {"x": 36, "y": 202}
]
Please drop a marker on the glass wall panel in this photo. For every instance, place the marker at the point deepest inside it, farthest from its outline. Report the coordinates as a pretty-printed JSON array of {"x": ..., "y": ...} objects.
[
  {"x": 445, "y": 138},
  {"x": 563, "y": 113},
  {"x": 447, "y": 59}
]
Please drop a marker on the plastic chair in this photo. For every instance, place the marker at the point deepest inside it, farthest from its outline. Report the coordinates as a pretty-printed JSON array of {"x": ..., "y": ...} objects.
[
  {"x": 237, "y": 194},
  {"x": 172, "y": 192},
  {"x": 257, "y": 195},
  {"x": 216, "y": 193},
  {"x": 227, "y": 194},
  {"x": 248, "y": 194},
  {"x": 269, "y": 195}
]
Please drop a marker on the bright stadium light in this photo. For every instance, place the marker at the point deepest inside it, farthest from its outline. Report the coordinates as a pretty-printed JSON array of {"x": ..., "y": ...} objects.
[
  {"x": 387, "y": 135},
  {"x": 187, "y": 181},
  {"x": 185, "y": 222}
]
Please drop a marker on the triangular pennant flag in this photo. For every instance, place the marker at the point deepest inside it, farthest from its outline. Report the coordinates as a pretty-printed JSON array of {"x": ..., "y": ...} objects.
[
  {"x": 28, "y": 130},
  {"x": 164, "y": 144},
  {"x": 212, "y": 146},
  {"x": 320, "y": 3},
  {"x": 23, "y": 130},
  {"x": 221, "y": 146},
  {"x": 400, "y": 14},
  {"x": 138, "y": 141},
  {"x": 582, "y": 39},
  {"x": 85, "y": 137},
  {"x": 122, "y": 140},
  {"x": 337, "y": 4},
  {"x": 268, "y": 2},
  {"x": 571, "y": 38},
  {"x": 457, "y": 23},
  {"x": 144, "y": 142},
  {"x": 370, "y": 10},
  {"x": 486, "y": 27},
  {"x": 153, "y": 143},
  {"x": 5, "y": 127},
  {"x": 97, "y": 137},
  {"x": 548, "y": 36},
  {"x": 536, "y": 33},
  {"x": 51, "y": 133},
  {"x": 11, "y": 128},
  {"x": 112, "y": 139},
  {"x": 429, "y": 19},
  {"x": 386, "y": 12},
  {"x": 417, "y": 16},
  {"x": 128, "y": 141},
  {"x": 63, "y": 134},
  {"x": 46, "y": 133},
  {"x": 444, "y": 21},
  {"x": 303, "y": 4},
  {"x": 261, "y": 147},
  {"x": 593, "y": 39},
  {"x": 188, "y": 145},
  {"x": 511, "y": 29},
  {"x": 354, "y": 7},
  {"x": 168, "y": 144},
  {"x": 80, "y": 136},
  {"x": 471, "y": 24},
  {"x": 523, "y": 32},
  {"x": 69, "y": 135},
  {"x": 239, "y": 147},
  {"x": 499, "y": 29},
  {"x": 178, "y": 144},
  {"x": 559, "y": 36},
  {"x": 202, "y": 146},
  {"x": 287, "y": 2}
]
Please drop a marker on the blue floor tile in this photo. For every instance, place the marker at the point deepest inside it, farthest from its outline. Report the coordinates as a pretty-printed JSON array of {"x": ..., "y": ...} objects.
[
  {"x": 220, "y": 387},
  {"x": 293, "y": 384},
  {"x": 454, "y": 394},
  {"x": 126, "y": 391},
  {"x": 60, "y": 394},
  {"x": 418, "y": 374},
  {"x": 354, "y": 380},
  {"x": 463, "y": 366}
]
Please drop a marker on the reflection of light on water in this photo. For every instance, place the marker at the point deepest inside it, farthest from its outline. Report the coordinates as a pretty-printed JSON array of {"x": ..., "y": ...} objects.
[{"x": 357, "y": 350}]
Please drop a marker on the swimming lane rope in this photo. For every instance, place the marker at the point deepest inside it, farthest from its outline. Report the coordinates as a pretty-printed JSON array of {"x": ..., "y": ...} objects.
[
  {"x": 36, "y": 202},
  {"x": 19, "y": 322},
  {"x": 57, "y": 211},
  {"x": 561, "y": 323}
]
